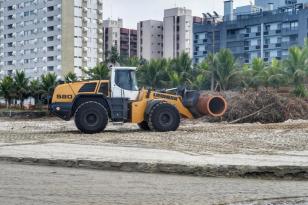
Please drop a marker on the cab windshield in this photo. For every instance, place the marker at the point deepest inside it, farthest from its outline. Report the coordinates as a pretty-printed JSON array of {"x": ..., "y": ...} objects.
[{"x": 126, "y": 79}]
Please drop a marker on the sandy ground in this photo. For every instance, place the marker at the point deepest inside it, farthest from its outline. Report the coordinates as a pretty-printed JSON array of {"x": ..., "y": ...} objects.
[
  {"x": 35, "y": 185},
  {"x": 193, "y": 136}
]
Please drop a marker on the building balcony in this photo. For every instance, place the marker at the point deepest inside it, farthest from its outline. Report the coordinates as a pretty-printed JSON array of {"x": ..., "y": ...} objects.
[
  {"x": 124, "y": 31},
  {"x": 272, "y": 32},
  {"x": 200, "y": 41},
  {"x": 288, "y": 44},
  {"x": 289, "y": 31},
  {"x": 200, "y": 53},
  {"x": 232, "y": 37},
  {"x": 124, "y": 38},
  {"x": 124, "y": 46},
  {"x": 133, "y": 32}
]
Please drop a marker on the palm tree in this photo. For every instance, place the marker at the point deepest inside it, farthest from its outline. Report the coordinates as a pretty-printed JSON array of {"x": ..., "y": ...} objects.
[
  {"x": 256, "y": 73},
  {"x": 181, "y": 71},
  {"x": 99, "y": 72},
  {"x": 7, "y": 89},
  {"x": 296, "y": 67},
  {"x": 48, "y": 83},
  {"x": 21, "y": 84},
  {"x": 154, "y": 74},
  {"x": 212, "y": 67},
  {"x": 203, "y": 76},
  {"x": 35, "y": 90},
  {"x": 113, "y": 56},
  {"x": 245, "y": 76},
  {"x": 70, "y": 77},
  {"x": 226, "y": 71},
  {"x": 275, "y": 75},
  {"x": 130, "y": 61}
]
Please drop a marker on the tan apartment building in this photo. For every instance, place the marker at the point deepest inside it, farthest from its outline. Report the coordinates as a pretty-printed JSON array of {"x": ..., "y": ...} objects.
[{"x": 115, "y": 35}]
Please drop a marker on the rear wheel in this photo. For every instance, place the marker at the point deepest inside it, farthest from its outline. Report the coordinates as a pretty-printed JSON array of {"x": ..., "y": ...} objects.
[
  {"x": 144, "y": 126},
  {"x": 164, "y": 118},
  {"x": 91, "y": 117}
]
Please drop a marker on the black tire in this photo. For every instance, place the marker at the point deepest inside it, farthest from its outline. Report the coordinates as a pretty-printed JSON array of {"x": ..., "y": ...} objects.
[
  {"x": 144, "y": 126},
  {"x": 164, "y": 117},
  {"x": 91, "y": 117}
]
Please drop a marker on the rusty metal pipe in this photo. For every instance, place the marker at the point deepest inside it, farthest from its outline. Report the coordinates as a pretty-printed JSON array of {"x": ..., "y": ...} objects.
[{"x": 215, "y": 106}]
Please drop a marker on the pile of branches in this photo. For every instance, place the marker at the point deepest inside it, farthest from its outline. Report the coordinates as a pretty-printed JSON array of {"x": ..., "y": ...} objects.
[{"x": 265, "y": 107}]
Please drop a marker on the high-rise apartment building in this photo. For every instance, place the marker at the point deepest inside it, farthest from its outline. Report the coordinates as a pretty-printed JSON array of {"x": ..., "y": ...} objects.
[
  {"x": 112, "y": 34},
  {"x": 271, "y": 4},
  {"x": 125, "y": 40},
  {"x": 267, "y": 5},
  {"x": 60, "y": 36},
  {"x": 167, "y": 38},
  {"x": 150, "y": 39},
  {"x": 264, "y": 34},
  {"x": 128, "y": 42},
  {"x": 178, "y": 23}
]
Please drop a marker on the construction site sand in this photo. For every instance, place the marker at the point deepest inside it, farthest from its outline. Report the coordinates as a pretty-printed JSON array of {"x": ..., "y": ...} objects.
[{"x": 193, "y": 136}]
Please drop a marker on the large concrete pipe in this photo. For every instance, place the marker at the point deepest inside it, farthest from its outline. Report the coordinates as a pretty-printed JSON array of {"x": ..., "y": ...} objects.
[{"x": 215, "y": 106}]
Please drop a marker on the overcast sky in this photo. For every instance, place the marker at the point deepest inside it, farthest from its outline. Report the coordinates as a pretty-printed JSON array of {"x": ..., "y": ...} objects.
[{"x": 133, "y": 11}]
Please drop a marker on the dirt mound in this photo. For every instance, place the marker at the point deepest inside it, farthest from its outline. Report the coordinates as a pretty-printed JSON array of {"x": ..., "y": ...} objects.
[{"x": 265, "y": 107}]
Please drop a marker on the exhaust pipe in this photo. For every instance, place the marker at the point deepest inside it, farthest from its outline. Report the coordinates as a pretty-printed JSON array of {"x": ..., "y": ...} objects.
[{"x": 215, "y": 106}]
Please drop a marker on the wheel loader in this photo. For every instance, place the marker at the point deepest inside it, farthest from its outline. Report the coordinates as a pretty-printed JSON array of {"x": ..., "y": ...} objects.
[{"x": 93, "y": 104}]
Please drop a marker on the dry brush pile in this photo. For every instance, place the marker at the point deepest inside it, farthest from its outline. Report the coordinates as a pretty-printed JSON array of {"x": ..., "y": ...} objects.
[{"x": 265, "y": 107}]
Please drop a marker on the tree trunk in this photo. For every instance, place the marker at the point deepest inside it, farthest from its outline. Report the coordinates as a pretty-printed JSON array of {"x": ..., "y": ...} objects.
[
  {"x": 212, "y": 82},
  {"x": 21, "y": 101}
]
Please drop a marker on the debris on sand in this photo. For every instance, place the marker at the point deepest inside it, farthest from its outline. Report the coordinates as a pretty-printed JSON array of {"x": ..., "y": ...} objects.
[{"x": 265, "y": 107}]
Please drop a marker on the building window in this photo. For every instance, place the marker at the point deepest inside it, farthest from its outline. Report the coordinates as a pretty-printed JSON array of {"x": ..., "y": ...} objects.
[
  {"x": 50, "y": 38},
  {"x": 10, "y": 8},
  {"x": 27, "y": 23},
  {"x": 28, "y": 13},
  {"x": 294, "y": 24},
  {"x": 50, "y": 18},
  {"x": 50, "y": 68},
  {"x": 10, "y": 72},
  {"x": 50, "y": 58},
  {"x": 50, "y": 8},
  {"x": 50, "y": 48},
  {"x": 50, "y": 28}
]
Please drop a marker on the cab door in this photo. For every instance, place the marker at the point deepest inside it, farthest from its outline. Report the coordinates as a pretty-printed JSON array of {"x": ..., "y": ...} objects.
[{"x": 124, "y": 83}]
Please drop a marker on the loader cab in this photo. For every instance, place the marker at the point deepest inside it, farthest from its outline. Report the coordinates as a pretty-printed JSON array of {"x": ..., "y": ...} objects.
[{"x": 124, "y": 83}]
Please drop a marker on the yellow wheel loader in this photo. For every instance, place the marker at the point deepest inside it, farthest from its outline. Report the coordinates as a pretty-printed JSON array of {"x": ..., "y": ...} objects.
[{"x": 95, "y": 103}]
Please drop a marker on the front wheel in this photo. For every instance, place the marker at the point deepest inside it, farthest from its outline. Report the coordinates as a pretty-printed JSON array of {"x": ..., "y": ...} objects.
[
  {"x": 91, "y": 117},
  {"x": 164, "y": 118}
]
